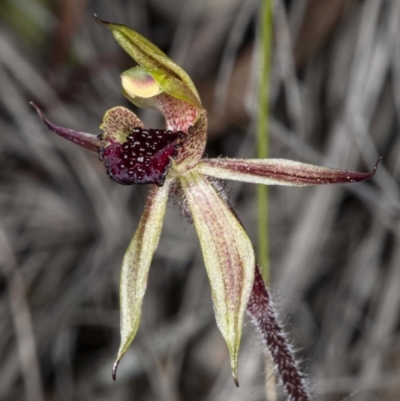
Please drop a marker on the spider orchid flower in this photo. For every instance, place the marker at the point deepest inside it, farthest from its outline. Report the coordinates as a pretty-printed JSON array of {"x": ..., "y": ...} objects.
[{"x": 135, "y": 155}]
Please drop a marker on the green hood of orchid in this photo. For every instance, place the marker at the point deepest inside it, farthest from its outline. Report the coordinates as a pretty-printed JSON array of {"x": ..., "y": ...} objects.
[{"x": 155, "y": 69}]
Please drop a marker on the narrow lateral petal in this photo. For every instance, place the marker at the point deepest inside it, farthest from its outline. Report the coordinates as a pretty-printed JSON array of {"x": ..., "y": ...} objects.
[
  {"x": 279, "y": 172},
  {"x": 135, "y": 266},
  {"x": 88, "y": 141},
  {"x": 228, "y": 256}
]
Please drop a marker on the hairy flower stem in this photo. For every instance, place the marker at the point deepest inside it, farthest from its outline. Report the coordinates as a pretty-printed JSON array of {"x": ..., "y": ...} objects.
[{"x": 261, "y": 309}]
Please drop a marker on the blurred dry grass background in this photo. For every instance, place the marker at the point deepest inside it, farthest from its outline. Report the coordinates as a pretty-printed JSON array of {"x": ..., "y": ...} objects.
[{"x": 64, "y": 225}]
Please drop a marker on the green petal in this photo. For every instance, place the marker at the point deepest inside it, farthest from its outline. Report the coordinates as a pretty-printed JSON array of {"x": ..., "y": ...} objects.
[
  {"x": 228, "y": 256},
  {"x": 146, "y": 54},
  {"x": 136, "y": 264}
]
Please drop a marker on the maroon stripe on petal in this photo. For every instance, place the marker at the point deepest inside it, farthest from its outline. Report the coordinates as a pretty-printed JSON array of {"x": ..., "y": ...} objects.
[{"x": 288, "y": 172}]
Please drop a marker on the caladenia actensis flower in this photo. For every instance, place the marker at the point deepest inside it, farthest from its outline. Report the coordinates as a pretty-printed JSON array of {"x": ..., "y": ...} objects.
[{"x": 174, "y": 158}]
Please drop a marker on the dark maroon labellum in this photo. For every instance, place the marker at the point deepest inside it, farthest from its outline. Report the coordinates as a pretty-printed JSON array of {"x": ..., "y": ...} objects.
[{"x": 144, "y": 158}]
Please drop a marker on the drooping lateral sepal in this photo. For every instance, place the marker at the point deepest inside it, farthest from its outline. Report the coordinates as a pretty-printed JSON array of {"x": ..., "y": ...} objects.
[
  {"x": 136, "y": 264},
  {"x": 228, "y": 256},
  {"x": 136, "y": 155},
  {"x": 279, "y": 172},
  {"x": 88, "y": 141},
  {"x": 263, "y": 313}
]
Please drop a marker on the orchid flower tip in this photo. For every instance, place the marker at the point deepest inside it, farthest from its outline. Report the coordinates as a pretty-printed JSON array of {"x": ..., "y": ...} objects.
[
  {"x": 99, "y": 20},
  {"x": 39, "y": 111},
  {"x": 41, "y": 115},
  {"x": 114, "y": 370},
  {"x": 36, "y": 108},
  {"x": 373, "y": 172}
]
